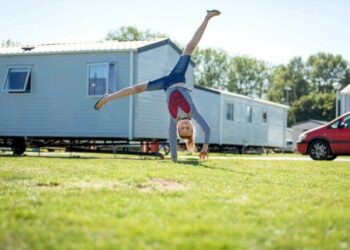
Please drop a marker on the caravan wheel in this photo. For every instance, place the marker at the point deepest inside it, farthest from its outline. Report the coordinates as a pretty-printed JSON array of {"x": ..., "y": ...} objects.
[{"x": 19, "y": 146}]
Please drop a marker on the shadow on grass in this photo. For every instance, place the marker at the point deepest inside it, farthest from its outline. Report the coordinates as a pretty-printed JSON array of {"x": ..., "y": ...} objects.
[
  {"x": 199, "y": 163},
  {"x": 48, "y": 157},
  {"x": 80, "y": 157}
]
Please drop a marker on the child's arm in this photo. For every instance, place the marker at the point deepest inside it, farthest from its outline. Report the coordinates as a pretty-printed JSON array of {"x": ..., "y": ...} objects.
[
  {"x": 206, "y": 129},
  {"x": 173, "y": 140}
]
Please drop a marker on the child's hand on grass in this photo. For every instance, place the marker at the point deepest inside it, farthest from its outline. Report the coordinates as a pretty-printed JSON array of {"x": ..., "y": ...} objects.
[{"x": 203, "y": 155}]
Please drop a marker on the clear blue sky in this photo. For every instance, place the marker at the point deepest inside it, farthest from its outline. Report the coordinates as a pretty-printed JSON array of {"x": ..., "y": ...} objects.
[{"x": 271, "y": 30}]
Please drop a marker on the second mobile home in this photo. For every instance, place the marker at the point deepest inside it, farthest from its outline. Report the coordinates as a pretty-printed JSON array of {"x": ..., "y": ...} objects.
[{"x": 241, "y": 120}]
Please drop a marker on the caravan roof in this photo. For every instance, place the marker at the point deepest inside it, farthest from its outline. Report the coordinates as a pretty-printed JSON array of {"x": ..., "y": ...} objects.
[
  {"x": 218, "y": 91},
  {"x": 346, "y": 90},
  {"x": 87, "y": 47}
]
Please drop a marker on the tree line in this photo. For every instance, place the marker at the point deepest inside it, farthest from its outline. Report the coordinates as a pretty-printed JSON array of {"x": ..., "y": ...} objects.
[
  {"x": 307, "y": 86},
  {"x": 304, "y": 85}
]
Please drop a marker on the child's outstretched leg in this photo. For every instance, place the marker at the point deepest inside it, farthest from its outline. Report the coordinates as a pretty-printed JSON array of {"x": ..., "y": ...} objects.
[
  {"x": 199, "y": 33},
  {"x": 153, "y": 85},
  {"x": 135, "y": 89}
]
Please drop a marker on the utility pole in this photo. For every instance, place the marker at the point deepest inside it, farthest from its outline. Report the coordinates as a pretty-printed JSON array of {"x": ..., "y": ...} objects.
[
  {"x": 287, "y": 89},
  {"x": 337, "y": 87}
]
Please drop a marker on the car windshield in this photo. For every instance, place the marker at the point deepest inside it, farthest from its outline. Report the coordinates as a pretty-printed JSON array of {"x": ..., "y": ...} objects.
[
  {"x": 347, "y": 121},
  {"x": 344, "y": 120},
  {"x": 335, "y": 124}
]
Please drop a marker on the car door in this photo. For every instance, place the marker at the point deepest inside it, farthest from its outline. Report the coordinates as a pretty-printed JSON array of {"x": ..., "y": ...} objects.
[{"x": 339, "y": 136}]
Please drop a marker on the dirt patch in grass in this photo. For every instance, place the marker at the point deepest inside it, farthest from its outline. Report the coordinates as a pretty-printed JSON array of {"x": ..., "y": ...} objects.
[
  {"x": 162, "y": 185},
  {"x": 48, "y": 184},
  {"x": 95, "y": 185}
]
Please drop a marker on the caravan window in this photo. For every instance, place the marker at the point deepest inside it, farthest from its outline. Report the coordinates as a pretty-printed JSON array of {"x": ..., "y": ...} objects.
[
  {"x": 264, "y": 115},
  {"x": 18, "y": 79},
  {"x": 229, "y": 111},
  {"x": 112, "y": 83},
  {"x": 249, "y": 114},
  {"x": 101, "y": 78}
]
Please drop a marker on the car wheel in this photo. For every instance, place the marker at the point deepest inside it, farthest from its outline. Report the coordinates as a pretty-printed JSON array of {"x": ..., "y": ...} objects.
[{"x": 319, "y": 150}]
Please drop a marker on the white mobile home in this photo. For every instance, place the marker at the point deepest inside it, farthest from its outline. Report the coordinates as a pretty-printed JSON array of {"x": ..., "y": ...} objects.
[
  {"x": 49, "y": 91},
  {"x": 345, "y": 100},
  {"x": 241, "y": 120}
]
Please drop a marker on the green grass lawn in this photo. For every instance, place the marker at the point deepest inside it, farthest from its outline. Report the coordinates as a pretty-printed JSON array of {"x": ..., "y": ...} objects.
[{"x": 106, "y": 203}]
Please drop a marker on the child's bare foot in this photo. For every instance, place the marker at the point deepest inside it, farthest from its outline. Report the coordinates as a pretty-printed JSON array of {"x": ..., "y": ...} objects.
[
  {"x": 212, "y": 13},
  {"x": 100, "y": 103}
]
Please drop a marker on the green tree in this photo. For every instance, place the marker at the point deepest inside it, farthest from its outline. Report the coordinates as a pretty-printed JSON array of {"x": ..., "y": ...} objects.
[
  {"x": 318, "y": 106},
  {"x": 211, "y": 67},
  {"x": 288, "y": 80},
  {"x": 325, "y": 69},
  {"x": 248, "y": 76},
  {"x": 130, "y": 33}
]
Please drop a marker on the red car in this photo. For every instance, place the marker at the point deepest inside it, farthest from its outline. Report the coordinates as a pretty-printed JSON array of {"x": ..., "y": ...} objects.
[{"x": 328, "y": 141}]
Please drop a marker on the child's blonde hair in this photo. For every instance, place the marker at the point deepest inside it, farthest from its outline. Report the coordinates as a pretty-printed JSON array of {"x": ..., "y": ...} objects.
[{"x": 189, "y": 140}]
